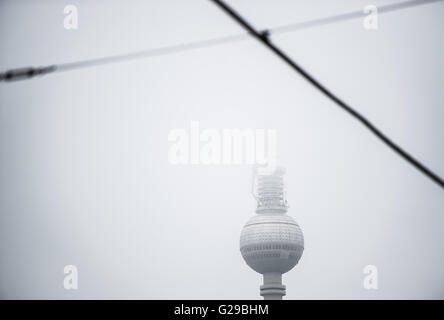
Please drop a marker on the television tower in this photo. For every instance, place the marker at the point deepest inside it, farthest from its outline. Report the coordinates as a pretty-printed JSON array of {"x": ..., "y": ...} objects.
[{"x": 271, "y": 242}]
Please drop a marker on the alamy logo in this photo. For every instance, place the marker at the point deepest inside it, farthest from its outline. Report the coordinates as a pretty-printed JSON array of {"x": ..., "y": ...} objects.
[
  {"x": 71, "y": 279},
  {"x": 71, "y": 20},
  {"x": 371, "y": 20},
  {"x": 226, "y": 146},
  {"x": 371, "y": 279}
]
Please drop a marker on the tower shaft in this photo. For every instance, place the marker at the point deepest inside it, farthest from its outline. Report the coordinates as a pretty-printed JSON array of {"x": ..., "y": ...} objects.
[{"x": 272, "y": 289}]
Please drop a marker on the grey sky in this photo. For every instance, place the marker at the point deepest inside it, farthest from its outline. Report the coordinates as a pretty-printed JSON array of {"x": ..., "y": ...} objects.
[{"x": 85, "y": 178}]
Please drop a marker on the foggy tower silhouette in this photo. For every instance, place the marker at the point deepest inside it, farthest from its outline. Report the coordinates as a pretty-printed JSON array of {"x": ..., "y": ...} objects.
[{"x": 271, "y": 242}]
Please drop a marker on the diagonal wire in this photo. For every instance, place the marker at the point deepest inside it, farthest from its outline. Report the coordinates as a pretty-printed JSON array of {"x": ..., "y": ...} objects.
[
  {"x": 25, "y": 73},
  {"x": 263, "y": 37},
  {"x": 347, "y": 16},
  {"x": 30, "y": 72}
]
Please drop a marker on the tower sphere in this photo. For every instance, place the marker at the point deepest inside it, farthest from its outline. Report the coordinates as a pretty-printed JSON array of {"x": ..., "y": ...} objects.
[{"x": 271, "y": 243}]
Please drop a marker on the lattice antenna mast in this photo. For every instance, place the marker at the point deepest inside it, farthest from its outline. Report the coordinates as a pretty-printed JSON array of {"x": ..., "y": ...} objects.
[{"x": 269, "y": 191}]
